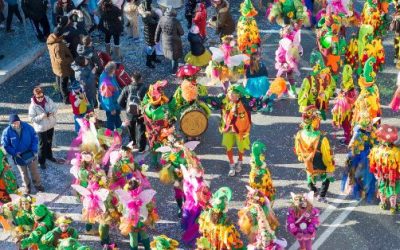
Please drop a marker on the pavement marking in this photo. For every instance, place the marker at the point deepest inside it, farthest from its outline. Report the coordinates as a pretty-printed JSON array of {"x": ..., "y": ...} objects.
[
  {"x": 272, "y": 31},
  {"x": 334, "y": 225},
  {"x": 328, "y": 211}
]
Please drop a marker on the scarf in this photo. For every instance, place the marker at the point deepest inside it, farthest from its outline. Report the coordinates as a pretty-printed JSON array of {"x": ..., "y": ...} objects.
[{"x": 41, "y": 104}]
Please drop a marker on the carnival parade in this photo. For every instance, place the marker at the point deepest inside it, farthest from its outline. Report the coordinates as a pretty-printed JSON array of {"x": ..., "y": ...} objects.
[{"x": 199, "y": 124}]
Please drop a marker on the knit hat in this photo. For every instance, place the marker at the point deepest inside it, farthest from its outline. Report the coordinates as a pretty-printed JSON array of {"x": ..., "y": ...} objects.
[
  {"x": 13, "y": 118},
  {"x": 75, "y": 86}
]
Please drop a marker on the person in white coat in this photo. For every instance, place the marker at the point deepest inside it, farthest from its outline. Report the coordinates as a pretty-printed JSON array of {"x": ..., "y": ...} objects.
[{"x": 42, "y": 113}]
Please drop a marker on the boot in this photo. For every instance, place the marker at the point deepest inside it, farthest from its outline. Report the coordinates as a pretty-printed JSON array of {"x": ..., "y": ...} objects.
[
  {"x": 146, "y": 244},
  {"x": 179, "y": 202},
  {"x": 108, "y": 48},
  {"x": 117, "y": 54},
  {"x": 154, "y": 57},
  {"x": 148, "y": 62}
]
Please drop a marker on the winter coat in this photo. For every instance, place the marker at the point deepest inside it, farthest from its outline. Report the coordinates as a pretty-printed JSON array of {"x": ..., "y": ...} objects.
[
  {"x": 34, "y": 9},
  {"x": 11, "y": 2},
  {"x": 131, "y": 11},
  {"x": 134, "y": 89},
  {"x": 171, "y": 30},
  {"x": 196, "y": 44},
  {"x": 111, "y": 21},
  {"x": 15, "y": 144},
  {"x": 60, "y": 56},
  {"x": 150, "y": 20},
  {"x": 87, "y": 79},
  {"x": 224, "y": 23},
  {"x": 60, "y": 11},
  {"x": 72, "y": 37},
  {"x": 38, "y": 116},
  {"x": 109, "y": 92},
  {"x": 190, "y": 7},
  {"x": 200, "y": 19},
  {"x": 90, "y": 54}
]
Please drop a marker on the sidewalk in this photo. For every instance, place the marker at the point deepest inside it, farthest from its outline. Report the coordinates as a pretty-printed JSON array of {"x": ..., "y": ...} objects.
[{"x": 19, "y": 48}]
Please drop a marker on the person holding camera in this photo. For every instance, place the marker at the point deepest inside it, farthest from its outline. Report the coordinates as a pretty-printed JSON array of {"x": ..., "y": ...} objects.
[
  {"x": 130, "y": 100},
  {"x": 20, "y": 140},
  {"x": 36, "y": 11},
  {"x": 42, "y": 113}
]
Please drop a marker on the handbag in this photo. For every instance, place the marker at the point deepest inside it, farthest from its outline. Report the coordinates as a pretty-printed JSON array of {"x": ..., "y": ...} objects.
[{"x": 25, "y": 158}]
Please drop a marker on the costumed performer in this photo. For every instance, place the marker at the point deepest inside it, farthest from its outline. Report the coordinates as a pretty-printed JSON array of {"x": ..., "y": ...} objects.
[
  {"x": 258, "y": 222},
  {"x": 318, "y": 87},
  {"x": 71, "y": 244},
  {"x": 8, "y": 181},
  {"x": 375, "y": 13},
  {"x": 139, "y": 213},
  {"x": 248, "y": 36},
  {"x": 156, "y": 117},
  {"x": 256, "y": 82},
  {"x": 287, "y": 56},
  {"x": 385, "y": 165},
  {"x": 62, "y": 231},
  {"x": 292, "y": 12},
  {"x": 395, "y": 27},
  {"x": 395, "y": 103},
  {"x": 198, "y": 55},
  {"x": 342, "y": 110},
  {"x": 235, "y": 125},
  {"x": 215, "y": 226},
  {"x": 303, "y": 219},
  {"x": 260, "y": 177},
  {"x": 313, "y": 149}
]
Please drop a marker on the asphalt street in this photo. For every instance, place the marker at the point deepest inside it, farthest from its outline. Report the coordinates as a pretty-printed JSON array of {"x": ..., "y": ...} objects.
[{"x": 345, "y": 224}]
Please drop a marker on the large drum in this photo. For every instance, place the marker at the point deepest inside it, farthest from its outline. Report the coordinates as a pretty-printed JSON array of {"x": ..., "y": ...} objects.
[{"x": 193, "y": 121}]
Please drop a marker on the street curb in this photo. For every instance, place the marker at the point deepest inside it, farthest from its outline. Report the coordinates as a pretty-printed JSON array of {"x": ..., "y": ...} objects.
[{"x": 21, "y": 62}]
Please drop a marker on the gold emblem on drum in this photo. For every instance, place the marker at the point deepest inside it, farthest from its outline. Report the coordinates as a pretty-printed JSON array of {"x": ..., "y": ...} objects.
[{"x": 194, "y": 122}]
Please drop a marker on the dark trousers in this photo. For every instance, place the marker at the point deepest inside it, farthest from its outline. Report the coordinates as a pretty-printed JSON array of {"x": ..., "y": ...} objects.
[
  {"x": 113, "y": 121},
  {"x": 324, "y": 188},
  {"x": 45, "y": 32},
  {"x": 12, "y": 9},
  {"x": 45, "y": 145},
  {"x": 137, "y": 131},
  {"x": 174, "y": 64},
  {"x": 115, "y": 37},
  {"x": 62, "y": 83}
]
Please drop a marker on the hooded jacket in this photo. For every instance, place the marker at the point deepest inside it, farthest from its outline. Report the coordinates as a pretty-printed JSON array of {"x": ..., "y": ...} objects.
[
  {"x": 14, "y": 144},
  {"x": 150, "y": 21},
  {"x": 60, "y": 56},
  {"x": 224, "y": 22}
]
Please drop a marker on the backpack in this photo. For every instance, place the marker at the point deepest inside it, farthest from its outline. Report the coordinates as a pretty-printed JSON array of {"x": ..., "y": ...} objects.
[{"x": 133, "y": 103}]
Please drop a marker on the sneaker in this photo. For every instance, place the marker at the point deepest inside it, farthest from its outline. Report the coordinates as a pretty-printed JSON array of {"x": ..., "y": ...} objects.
[
  {"x": 292, "y": 94},
  {"x": 42, "y": 166},
  {"x": 238, "y": 167},
  {"x": 284, "y": 96},
  {"x": 322, "y": 199},
  {"x": 40, "y": 188},
  {"x": 232, "y": 171}
]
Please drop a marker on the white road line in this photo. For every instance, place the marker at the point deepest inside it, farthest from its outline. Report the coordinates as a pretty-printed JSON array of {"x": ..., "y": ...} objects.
[
  {"x": 323, "y": 216},
  {"x": 272, "y": 31},
  {"x": 334, "y": 226}
]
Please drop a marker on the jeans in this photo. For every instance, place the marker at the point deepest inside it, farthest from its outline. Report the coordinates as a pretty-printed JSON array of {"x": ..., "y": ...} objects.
[
  {"x": 45, "y": 145},
  {"x": 174, "y": 64},
  {"x": 113, "y": 121},
  {"x": 12, "y": 9},
  {"x": 62, "y": 84},
  {"x": 115, "y": 37},
  {"x": 137, "y": 132},
  {"x": 45, "y": 32},
  {"x": 23, "y": 170}
]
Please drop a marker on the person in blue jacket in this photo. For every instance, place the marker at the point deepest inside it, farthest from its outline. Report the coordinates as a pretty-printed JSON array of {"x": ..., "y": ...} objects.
[
  {"x": 20, "y": 140},
  {"x": 109, "y": 92}
]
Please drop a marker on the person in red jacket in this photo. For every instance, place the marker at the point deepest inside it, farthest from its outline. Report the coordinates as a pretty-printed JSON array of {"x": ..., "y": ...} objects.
[{"x": 200, "y": 19}]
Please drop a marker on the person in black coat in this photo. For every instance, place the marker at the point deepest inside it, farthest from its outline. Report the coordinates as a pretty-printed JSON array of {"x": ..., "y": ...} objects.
[
  {"x": 112, "y": 26},
  {"x": 36, "y": 11},
  {"x": 150, "y": 21},
  {"x": 62, "y": 8},
  {"x": 71, "y": 34},
  {"x": 190, "y": 9},
  {"x": 136, "y": 126}
]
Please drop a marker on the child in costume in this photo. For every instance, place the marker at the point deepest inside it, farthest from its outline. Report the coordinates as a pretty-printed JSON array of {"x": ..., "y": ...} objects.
[
  {"x": 395, "y": 103},
  {"x": 8, "y": 182},
  {"x": 71, "y": 244},
  {"x": 79, "y": 103},
  {"x": 85, "y": 169},
  {"x": 288, "y": 11},
  {"x": 227, "y": 64},
  {"x": 374, "y": 13},
  {"x": 216, "y": 228},
  {"x": 139, "y": 213},
  {"x": 198, "y": 54},
  {"x": 258, "y": 222},
  {"x": 247, "y": 31},
  {"x": 368, "y": 100},
  {"x": 385, "y": 165},
  {"x": 235, "y": 123},
  {"x": 312, "y": 147},
  {"x": 197, "y": 196},
  {"x": 318, "y": 87},
  {"x": 303, "y": 219},
  {"x": 43, "y": 223},
  {"x": 256, "y": 82},
  {"x": 260, "y": 177},
  {"x": 342, "y": 110},
  {"x": 287, "y": 56},
  {"x": 62, "y": 231},
  {"x": 156, "y": 116},
  {"x": 200, "y": 19},
  {"x": 357, "y": 179},
  {"x": 162, "y": 242}
]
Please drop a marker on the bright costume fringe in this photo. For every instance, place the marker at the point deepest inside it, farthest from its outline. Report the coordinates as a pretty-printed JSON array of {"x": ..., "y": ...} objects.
[
  {"x": 293, "y": 10},
  {"x": 247, "y": 31}
]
